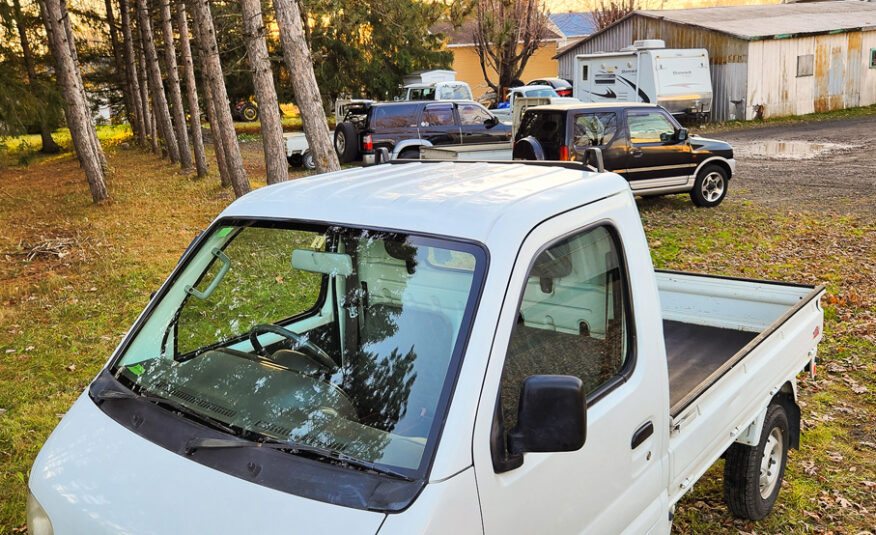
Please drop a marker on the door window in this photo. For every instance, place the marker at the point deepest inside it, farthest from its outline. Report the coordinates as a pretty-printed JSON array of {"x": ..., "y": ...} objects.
[
  {"x": 472, "y": 115},
  {"x": 649, "y": 127},
  {"x": 595, "y": 129},
  {"x": 438, "y": 116},
  {"x": 572, "y": 318}
]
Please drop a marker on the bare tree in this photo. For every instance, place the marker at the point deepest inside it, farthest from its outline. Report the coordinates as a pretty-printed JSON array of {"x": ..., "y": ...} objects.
[
  {"x": 48, "y": 144},
  {"x": 156, "y": 86},
  {"x": 212, "y": 69},
  {"x": 276, "y": 167},
  {"x": 131, "y": 69},
  {"x": 179, "y": 114},
  {"x": 507, "y": 34},
  {"x": 607, "y": 12},
  {"x": 307, "y": 96},
  {"x": 185, "y": 51},
  {"x": 76, "y": 109}
]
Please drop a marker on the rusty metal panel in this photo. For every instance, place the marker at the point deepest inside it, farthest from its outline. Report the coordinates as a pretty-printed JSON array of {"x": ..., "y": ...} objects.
[{"x": 852, "y": 85}]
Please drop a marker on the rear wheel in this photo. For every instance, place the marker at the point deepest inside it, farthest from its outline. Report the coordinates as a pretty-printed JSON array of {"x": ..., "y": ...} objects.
[
  {"x": 295, "y": 160},
  {"x": 753, "y": 474},
  {"x": 710, "y": 187},
  {"x": 409, "y": 154},
  {"x": 249, "y": 113},
  {"x": 345, "y": 142},
  {"x": 308, "y": 160}
]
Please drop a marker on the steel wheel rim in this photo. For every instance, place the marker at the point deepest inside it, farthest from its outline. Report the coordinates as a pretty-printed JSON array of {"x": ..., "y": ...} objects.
[
  {"x": 340, "y": 143},
  {"x": 249, "y": 113},
  {"x": 771, "y": 463},
  {"x": 713, "y": 186}
]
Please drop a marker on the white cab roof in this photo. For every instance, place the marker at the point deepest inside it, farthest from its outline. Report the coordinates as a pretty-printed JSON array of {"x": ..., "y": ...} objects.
[{"x": 458, "y": 199}]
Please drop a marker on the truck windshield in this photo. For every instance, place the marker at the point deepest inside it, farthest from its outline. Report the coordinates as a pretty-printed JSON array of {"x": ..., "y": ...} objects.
[{"x": 337, "y": 338}]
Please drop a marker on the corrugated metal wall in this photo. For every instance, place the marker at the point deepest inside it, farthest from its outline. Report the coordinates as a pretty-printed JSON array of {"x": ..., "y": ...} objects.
[
  {"x": 841, "y": 79},
  {"x": 749, "y": 74}
]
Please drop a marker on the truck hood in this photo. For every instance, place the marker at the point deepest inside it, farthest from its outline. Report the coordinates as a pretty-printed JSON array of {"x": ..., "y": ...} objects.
[{"x": 95, "y": 476}]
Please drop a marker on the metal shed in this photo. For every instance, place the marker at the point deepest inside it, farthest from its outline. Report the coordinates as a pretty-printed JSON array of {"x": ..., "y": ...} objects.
[{"x": 766, "y": 60}]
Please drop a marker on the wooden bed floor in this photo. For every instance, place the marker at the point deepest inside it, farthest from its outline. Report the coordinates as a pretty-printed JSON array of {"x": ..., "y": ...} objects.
[{"x": 695, "y": 351}]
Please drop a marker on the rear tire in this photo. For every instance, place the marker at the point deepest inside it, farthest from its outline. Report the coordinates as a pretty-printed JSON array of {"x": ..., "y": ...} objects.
[
  {"x": 409, "y": 154},
  {"x": 249, "y": 113},
  {"x": 295, "y": 160},
  {"x": 710, "y": 187},
  {"x": 346, "y": 142},
  {"x": 307, "y": 160},
  {"x": 753, "y": 474}
]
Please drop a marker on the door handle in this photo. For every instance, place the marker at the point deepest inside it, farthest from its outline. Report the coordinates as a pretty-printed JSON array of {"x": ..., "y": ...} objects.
[
  {"x": 641, "y": 434},
  {"x": 636, "y": 153}
]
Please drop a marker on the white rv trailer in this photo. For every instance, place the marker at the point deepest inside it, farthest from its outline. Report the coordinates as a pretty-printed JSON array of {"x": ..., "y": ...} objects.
[{"x": 677, "y": 79}]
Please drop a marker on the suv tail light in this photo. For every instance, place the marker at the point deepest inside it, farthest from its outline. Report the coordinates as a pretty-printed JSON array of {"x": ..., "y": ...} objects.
[
  {"x": 367, "y": 142},
  {"x": 564, "y": 92},
  {"x": 564, "y": 153}
]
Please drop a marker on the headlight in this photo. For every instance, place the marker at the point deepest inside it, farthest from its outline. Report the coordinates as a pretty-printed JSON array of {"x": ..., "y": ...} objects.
[{"x": 38, "y": 522}]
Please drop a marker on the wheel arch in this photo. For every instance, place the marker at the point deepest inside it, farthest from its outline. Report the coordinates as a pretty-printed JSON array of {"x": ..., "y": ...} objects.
[
  {"x": 406, "y": 144},
  {"x": 786, "y": 396},
  {"x": 720, "y": 161}
]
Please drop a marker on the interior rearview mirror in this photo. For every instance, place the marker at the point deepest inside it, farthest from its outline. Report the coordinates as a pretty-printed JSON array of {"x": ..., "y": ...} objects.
[
  {"x": 322, "y": 262},
  {"x": 551, "y": 417}
]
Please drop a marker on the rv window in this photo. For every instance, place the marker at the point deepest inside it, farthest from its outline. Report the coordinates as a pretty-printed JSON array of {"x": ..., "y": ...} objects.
[
  {"x": 595, "y": 129},
  {"x": 604, "y": 79},
  {"x": 805, "y": 65},
  {"x": 584, "y": 72},
  {"x": 647, "y": 127}
]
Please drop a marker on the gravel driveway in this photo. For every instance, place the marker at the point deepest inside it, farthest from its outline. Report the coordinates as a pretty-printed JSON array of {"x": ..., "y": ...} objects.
[{"x": 825, "y": 167}]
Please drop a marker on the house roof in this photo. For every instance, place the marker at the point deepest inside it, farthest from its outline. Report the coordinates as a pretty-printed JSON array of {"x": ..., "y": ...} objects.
[
  {"x": 463, "y": 35},
  {"x": 574, "y": 24},
  {"x": 773, "y": 21}
]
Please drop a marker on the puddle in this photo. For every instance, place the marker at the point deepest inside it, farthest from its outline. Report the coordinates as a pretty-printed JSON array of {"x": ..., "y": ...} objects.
[{"x": 789, "y": 150}]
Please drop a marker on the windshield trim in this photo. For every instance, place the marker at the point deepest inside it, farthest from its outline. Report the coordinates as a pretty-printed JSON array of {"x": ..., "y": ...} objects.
[{"x": 479, "y": 275}]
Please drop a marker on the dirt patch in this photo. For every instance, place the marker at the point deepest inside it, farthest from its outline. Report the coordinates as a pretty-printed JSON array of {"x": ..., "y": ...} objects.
[{"x": 825, "y": 167}]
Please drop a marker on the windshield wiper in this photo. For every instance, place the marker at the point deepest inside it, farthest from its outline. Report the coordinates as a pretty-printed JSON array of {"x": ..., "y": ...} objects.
[
  {"x": 293, "y": 447},
  {"x": 167, "y": 403}
]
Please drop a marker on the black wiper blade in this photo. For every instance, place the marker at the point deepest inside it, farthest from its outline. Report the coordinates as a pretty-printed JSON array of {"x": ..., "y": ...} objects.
[
  {"x": 168, "y": 403},
  {"x": 293, "y": 447}
]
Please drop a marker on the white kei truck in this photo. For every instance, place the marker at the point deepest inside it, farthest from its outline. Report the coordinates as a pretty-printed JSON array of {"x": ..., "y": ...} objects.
[
  {"x": 676, "y": 78},
  {"x": 431, "y": 347}
]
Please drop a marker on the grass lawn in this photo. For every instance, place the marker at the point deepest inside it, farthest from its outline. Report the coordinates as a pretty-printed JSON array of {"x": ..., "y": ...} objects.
[{"x": 74, "y": 276}]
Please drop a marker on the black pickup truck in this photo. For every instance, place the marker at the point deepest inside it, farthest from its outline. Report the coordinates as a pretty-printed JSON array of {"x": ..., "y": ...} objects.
[
  {"x": 403, "y": 127},
  {"x": 641, "y": 142}
]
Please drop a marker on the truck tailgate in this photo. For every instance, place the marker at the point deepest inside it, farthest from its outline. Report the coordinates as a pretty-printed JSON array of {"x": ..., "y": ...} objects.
[{"x": 731, "y": 344}]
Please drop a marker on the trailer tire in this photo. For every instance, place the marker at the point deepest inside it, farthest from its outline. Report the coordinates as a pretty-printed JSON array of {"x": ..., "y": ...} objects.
[
  {"x": 346, "y": 142},
  {"x": 710, "y": 187},
  {"x": 753, "y": 474},
  {"x": 307, "y": 160}
]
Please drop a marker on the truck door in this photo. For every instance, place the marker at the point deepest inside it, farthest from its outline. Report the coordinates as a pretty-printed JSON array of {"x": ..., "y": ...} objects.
[
  {"x": 474, "y": 121},
  {"x": 599, "y": 129},
  {"x": 438, "y": 124},
  {"x": 655, "y": 152},
  {"x": 569, "y": 311}
]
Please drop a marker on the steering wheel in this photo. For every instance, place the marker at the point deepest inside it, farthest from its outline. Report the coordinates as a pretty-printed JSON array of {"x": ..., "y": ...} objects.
[{"x": 311, "y": 349}]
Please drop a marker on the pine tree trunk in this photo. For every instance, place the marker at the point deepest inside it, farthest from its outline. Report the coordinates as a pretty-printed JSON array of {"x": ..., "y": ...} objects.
[
  {"x": 185, "y": 51},
  {"x": 212, "y": 68},
  {"x": 48, "y": 144},
  {"x": 71, "y": 44},
  {"x": 156, "y": 86},
  {"x": 131, "y": 69},
  {"x": 307, "y": 96},
  {"x": 179, "y": 114},
  {"x": 276, "y": 167},
  {"x": 76, "y": 109},
  {"x": 121, "y": 66},
  {"x": 148, "y": 116}
]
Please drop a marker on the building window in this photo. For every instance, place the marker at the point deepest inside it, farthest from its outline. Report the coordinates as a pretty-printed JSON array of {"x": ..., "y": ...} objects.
[
  {"x": 873, "y": 58},
  {"x": 805, "y": 65},
  {"x": 584, "y": 72}
]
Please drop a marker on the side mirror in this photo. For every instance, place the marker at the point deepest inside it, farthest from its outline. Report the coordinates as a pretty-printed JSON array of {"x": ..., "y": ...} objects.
[
  {"x": 491, "y": 122},
  {"x": 552, "y": 415},
  {"x": 682, "y": 134},
  {"x": 594, "y": 153}
]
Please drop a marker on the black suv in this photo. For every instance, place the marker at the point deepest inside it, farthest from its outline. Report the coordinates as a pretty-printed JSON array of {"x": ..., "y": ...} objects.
[
  {"x": 403, "y": 127},
  {"x": 641, "y": 142}
]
